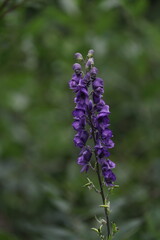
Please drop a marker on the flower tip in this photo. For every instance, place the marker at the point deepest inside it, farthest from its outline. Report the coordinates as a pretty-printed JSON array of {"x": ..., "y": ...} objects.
[
  {"x": 78, "y": 56},
  {"x": 90, "y": 53}
]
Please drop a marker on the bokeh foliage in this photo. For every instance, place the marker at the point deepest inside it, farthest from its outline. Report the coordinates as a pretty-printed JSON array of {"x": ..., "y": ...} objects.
[{"x": 41, "y": 188}]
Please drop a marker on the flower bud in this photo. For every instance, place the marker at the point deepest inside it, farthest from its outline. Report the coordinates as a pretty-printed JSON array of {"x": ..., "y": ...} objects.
[
  {"x": 90, "y": 53},
  {"x": 89, "y": 63},
  {"x": 78, "y": 56},
  {"x": 93, "y": 72},
  {"x": 77, "y": 68},
  {"x": 90, "y": 105}
]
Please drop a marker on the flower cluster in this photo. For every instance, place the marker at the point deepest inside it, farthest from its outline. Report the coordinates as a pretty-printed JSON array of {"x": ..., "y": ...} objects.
[{"x": 91, "y": 118}]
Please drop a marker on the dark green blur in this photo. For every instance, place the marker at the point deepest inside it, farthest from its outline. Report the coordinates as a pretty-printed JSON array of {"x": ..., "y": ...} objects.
[{"x": 41, "y": 193}]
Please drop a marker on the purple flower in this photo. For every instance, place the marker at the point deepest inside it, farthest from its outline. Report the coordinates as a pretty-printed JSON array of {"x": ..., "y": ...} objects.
[
  {"x": 90, "y": 53},
  {"x": 98, "y": 82},
  {"x": 106, "y": 133},
  {"x": 78, "y": 56},
  {"x": 97, "y": 86},
  {"x": 102, "y": 120},
  {"x": 105, "y": 109},
  {"x": 78, "y": 112},
  {"x": 108, "y": 143},
  {"x": 93, "y": 72},
  {"x": 98, "y": 107},
  {"x": 74, "y": 82},
  {"x": 84, "y": 158},
  {"x": 99, "y": 91},
  {"x": 90, "y": 105},
  {"x": 79, "y": 124},
  {"x": 108, "y": 164},
  {"x": 89, "y": 63},
  {"x": 77, "y": 68},
  {"x": 80, "y": 138},
  {"x": 109, "y": 177},
  {"x": 101, "y": 151},
  {"x": 82, "y": 97},
  {"x": 96, "y": 98},
  {"x": 86, "y": 80}
]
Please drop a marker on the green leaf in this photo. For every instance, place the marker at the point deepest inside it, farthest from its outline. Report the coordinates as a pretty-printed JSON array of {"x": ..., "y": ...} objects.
[{"x": 96, "y": 230}]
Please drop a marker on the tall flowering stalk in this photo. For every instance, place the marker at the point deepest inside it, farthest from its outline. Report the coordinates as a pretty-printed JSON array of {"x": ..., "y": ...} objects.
[{"x": 91, "y": 122}]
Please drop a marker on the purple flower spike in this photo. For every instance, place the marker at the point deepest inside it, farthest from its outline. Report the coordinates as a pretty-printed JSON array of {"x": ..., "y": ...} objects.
[{"x": 92, "y": 113}]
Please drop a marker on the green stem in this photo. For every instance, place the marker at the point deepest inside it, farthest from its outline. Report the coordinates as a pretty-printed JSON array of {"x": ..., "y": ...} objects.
[{"x": 99, "y": 179}]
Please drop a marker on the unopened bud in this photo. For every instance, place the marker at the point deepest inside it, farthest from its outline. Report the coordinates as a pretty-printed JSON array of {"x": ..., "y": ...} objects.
[
  {"x": 89, "y": 63},
  {"x": 94, "y": 72},
  {"x": 78, "y": 56},
  {"x": 90, "y": 53},
  {"x": 77, "y": 68}
]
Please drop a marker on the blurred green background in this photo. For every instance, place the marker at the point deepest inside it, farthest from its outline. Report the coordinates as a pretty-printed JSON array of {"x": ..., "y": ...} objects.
[{"x": 41, "y": 195}]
